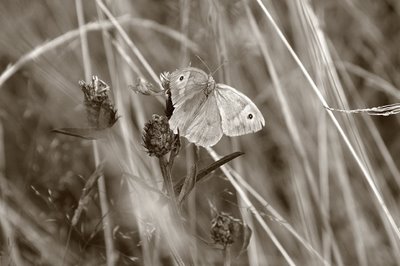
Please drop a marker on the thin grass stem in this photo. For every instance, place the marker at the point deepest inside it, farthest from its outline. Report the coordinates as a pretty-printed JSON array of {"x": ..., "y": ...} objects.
[
  {"x": 321, "y": 98},
  {"x": 227, "y": 256},
  {"x": 252, "y": 209},
  {"x": 92, "y": 26},
  {"x": 104, "y": 206},
  {"x": 129, "y": 42}
]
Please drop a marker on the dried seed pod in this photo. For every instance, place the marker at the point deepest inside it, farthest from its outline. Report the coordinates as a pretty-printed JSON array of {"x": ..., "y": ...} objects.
[
  {"x": 225, "y": 229},
  {"x": 158, "y": 138},
  {"x": 100, "y": 111}
]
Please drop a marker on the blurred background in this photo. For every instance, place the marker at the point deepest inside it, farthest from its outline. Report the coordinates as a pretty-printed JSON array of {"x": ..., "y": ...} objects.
[{"x": 311, "y": 202}]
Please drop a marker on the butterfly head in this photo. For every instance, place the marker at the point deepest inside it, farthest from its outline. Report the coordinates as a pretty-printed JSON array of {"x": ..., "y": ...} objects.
[
  {"x": 188, "y": 79},
  {"x": 210, "y": 85}
]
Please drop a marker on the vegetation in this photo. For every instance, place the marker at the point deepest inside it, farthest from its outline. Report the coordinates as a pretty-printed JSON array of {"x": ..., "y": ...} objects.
[{"x": 313, "y": 187}]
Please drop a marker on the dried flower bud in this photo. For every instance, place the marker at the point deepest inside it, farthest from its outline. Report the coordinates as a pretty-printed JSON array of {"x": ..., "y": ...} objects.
[
  {"x": 99, "y": 109},
  {"x": 158, "y": 138},
  {"x": 144, "y": 87},
  {"x": 225, "y": 229}
]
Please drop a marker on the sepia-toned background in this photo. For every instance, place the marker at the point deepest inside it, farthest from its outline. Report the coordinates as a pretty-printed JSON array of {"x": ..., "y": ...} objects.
[{"x": 315, "y": 187}]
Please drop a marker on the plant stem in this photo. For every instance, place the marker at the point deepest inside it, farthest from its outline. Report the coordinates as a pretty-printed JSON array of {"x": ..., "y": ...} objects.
[
  {"x": 105, "y": 212},
  {"x": 168, "y": 185},
  {"x": 227, "y": 256},
  {"x": 172, "y": 204}
]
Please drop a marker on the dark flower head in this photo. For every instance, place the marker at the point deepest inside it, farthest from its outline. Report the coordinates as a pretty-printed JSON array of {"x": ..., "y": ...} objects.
[
  {"x": 100, "y": 111},
  {"x": 225, "y": 229},
  {"x": 158, "y": 138}
]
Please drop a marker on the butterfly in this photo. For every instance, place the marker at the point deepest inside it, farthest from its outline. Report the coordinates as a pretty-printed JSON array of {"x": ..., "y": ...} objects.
[{"x": 205, "y": 110}]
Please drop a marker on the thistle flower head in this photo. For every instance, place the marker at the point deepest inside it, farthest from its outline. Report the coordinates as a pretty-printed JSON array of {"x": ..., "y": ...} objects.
[
  {"x": 100, "y": 111},
  {"x": 225, "y": 229},
  {"x": 158, "y": 138}
]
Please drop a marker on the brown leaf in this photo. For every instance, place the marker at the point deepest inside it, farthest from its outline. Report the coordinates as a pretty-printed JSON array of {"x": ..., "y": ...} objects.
[
  {"x": 188, "y": 184},
  {"x": 84, "y": 133},
  {"x": 205, "y": 171}
]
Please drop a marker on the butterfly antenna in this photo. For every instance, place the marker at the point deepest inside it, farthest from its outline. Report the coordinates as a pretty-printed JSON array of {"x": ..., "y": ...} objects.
[
  {"x": 204, "y": 63},
  {"x": 220, "y": 65}
]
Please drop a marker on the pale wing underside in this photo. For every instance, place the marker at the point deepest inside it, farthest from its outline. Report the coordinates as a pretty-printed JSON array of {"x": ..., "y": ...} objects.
[
  {"x": 184, "y": 114},
  {"x": 194, "y": 82},
  {"x": 200, "y": 123},
  {"x": 239, "y": 115}
]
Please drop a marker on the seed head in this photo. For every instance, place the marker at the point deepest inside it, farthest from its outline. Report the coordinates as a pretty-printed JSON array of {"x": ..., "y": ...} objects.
[
  {"x": 100, "y": 111},
  {"x": 225, "y": 229},
  {"x": 158, "y": 138}
]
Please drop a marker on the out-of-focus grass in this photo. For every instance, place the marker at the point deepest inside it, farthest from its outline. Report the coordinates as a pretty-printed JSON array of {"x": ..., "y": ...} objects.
[{"x": 308, "y": 193}]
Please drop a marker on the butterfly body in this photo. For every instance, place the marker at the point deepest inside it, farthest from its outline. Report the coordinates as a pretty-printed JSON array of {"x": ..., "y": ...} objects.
[{"x": 205, "y": 110}]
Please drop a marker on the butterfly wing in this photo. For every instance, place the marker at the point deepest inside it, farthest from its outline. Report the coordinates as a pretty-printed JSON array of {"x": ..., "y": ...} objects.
[
  {"x": 198, "y": 120},
  {"x": 184, "y": 113},
  {"x": 196, "y": 115},
  {"x": 239, "y": 115},
  {"x": 187, "y": 83},
  {"x": 205, "y": 129}
]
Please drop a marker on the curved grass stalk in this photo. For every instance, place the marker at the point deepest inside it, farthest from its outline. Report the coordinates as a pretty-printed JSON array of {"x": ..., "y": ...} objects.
[{"x": 92, "y": 26}]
